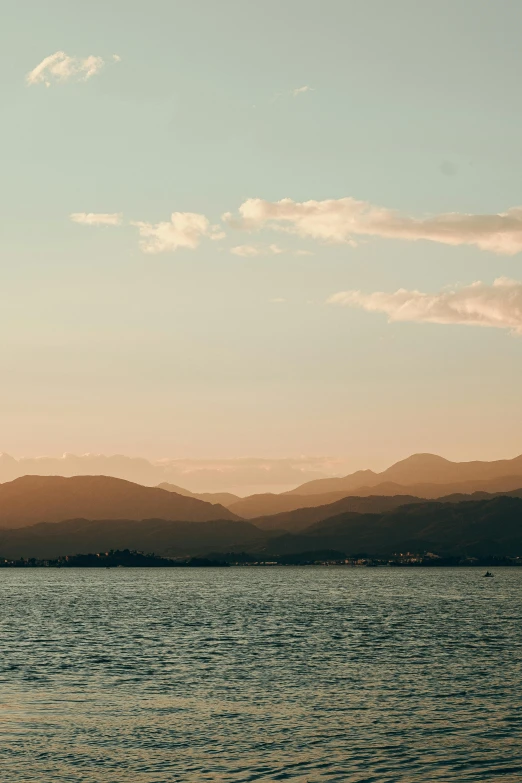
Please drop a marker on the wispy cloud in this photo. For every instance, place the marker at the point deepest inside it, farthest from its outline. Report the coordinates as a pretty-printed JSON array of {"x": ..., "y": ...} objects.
[
  {"x": 498, "y": 305},
  {"x": 294, "y": 93},
  {"x": 256, "y": 250},
  {"x": 61, "y": 67},
  {"x": 300, "y": 90},
  {"x": 278, "y": 300},
  {"x": 266, "y": 250},
  {"x": 342, "y": 220},
  {"x": 185, "y": 229},
  {"x": 97, "y": 218},
  {"x": 244, "y": 475}
]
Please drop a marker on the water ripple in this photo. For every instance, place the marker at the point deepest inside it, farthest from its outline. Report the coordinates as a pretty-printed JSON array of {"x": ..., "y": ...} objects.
[{"x": 295, "y": 674}]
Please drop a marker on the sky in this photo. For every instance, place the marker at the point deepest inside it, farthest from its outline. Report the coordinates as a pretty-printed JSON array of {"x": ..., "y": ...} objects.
[{"x": 265, "y": 230}]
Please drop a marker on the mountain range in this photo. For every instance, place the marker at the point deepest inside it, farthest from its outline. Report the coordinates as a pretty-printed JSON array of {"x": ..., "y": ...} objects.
[
  {"x": 302, "y": 518},
  {"x": 256, "y": 506},
  {"x": 416, "y": 469},
  {"x": 462, "y": 507},
  {"x": 471, "y": 528}
]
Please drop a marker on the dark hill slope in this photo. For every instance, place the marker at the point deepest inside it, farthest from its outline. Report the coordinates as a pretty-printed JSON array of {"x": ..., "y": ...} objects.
[
  {"x": 473, "y": 528},
  {"x": 32, "y": 499},
  {"x": 257, "y": 506},
  {"x": 175, "y": 539},
  {"x": 487, "y": 527},
  {"x": 263, "y": 505},
  {"x": 302, "y": 518}
]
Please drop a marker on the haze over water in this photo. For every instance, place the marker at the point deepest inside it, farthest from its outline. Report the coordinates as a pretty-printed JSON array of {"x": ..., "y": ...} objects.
[{"x": 299, "y": 674}]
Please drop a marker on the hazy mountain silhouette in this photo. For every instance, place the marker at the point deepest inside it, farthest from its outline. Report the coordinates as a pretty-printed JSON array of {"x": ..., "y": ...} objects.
[
  {"x": 302, "y": 518},
  {"x": 32, "y": 499},
  {"x": 225, "y": 498},
  {"x": 487, "y": 527},
  {"x": 197, "y": 477},
  {"x": 433, "y": 491},
  {"x": 248, "y": 475},
  {"x": 256, "y": 506},
  {"x": 417, "y": 469}
]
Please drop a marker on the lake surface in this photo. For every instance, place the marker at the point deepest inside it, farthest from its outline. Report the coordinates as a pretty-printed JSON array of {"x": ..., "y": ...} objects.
[{"x": 260, "y": 674}]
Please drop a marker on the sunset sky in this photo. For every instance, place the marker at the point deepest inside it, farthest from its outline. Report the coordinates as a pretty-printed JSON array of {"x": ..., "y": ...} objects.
[{"x": 159, "y": 298}]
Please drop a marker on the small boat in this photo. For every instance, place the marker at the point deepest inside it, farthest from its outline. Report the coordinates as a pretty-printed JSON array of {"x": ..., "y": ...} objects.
[{"x": 488, "y": 573}]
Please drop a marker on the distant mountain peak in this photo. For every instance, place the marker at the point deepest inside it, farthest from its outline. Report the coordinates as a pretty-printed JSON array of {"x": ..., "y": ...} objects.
[
  {"x": 420, "y": 468},
  {"x": 423, "y": 458}
]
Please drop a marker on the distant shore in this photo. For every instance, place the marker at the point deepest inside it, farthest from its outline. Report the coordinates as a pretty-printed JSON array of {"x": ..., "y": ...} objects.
[{"x": 133, "y": 559}]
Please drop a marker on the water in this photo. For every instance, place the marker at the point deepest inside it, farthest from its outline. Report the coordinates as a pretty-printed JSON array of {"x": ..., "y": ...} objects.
[{"x": 260, "y": 674}]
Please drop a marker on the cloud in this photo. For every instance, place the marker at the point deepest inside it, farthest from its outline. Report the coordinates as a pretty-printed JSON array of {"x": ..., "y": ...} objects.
[
  {"x": 341, "y": 220},
  {"x": 60, "y": 67},
  {"x": 277, "y": 300},
  {"x": 116, "y": 58},
  {"x": 185, "y": 229},
  {"x": 301, "y": 90},
  {"x": 199, "y": 475},
  {"x": 498, "y": 305},
  {"x": 265, "y": 250},
  {"x": 245, "y": 250},
  {"x": 256, "y": 250},
  {"x": 97, "y": 218}
]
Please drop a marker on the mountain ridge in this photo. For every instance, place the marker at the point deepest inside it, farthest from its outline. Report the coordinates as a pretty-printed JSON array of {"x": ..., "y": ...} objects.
[
  {"x": 490, "y": 527},
  {"x": 415, "y": 469},
  {"x": 31, "y": 499},
  {"x": 223, "y": 498},
  {"x": 256, "y": 506}
]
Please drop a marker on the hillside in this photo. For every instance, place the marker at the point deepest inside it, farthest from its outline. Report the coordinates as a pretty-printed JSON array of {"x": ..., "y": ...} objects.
[
  {"x": 418, "y": 469},
  {"x": 175, "y": 539},
  {"x": 224, "y": 498},
  {"x": 490, "y": 527},
  {"x": 473, "y": 528},
  {"x": 302, "y": 518},
  {"x": 32, "y": 499},
  {"x": 257, "y": 506}
]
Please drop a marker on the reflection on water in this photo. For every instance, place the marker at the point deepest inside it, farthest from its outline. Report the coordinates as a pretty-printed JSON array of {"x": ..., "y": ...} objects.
[{"x": 296, "y": 674}]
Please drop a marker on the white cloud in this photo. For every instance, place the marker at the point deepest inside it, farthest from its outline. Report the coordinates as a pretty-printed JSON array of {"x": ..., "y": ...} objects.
[
  {"x": 244, "y": 475},
  {"x": 275, "y": 250},
  {"x": 97, "y": 218},
  {"x": 185, "y": 229},
  {"x": 301, "y": 90},
  {"x": 60, "y": 67},
  {"x": 245, "y": 250},
  {"x": 340, "y": 220},
  {"x": 256, "y": 250},
  {"x": 498, "y": 305},
  {"x": 116, "y": 58},
  {"x": 278, "y": 300}
]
